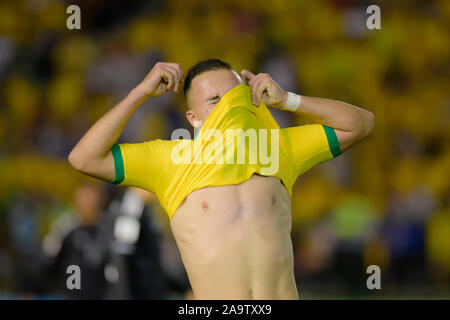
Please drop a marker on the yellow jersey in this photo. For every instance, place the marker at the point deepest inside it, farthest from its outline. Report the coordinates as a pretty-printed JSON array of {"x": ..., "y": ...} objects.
[{"x": 237, "y": 140}]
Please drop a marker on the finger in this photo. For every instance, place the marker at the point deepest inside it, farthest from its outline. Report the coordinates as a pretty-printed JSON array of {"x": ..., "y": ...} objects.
[
  {"x": 179, "y": 74},
  {"x": 259, "y": 91},
  {"x": 254, "y": 83},
  {"x": 173, "y": 76},
  {"x": 176, "y": 67},
  {"x": 180, "y": 71},
  {"x": 168, "y": 77},
  {"x": 246, "y": 75},
  {"x": 176, "y": 77}
]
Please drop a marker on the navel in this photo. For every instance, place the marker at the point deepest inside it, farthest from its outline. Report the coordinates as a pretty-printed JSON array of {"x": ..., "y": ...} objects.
[
  {"x": 205, "y": 205},
  {"x": 274, "y": 200}
]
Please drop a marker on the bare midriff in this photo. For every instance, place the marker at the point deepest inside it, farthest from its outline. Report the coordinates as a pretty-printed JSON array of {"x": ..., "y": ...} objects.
[{"x": 235, "y": 240}]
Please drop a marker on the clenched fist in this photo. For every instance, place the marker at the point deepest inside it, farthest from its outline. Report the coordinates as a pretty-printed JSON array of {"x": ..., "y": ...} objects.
[
  {"x": 163, "y": 77},
  {"x": 264, "y": 87}
]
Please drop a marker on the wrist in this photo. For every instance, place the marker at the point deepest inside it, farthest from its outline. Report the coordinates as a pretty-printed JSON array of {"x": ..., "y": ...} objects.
[
  {"x": 139, "y": 93},
  {"x": 292, "y": 102},
  {"x": 284, "y": 99},
  {"x": 135, "y": 98}
]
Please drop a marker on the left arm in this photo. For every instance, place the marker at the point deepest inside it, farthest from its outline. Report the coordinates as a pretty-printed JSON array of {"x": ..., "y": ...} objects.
[{"x": 351, "y": 124}]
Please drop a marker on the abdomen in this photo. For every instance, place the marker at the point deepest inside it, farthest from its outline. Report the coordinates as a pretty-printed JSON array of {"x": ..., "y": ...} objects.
[{"x": 235, "y": 240}]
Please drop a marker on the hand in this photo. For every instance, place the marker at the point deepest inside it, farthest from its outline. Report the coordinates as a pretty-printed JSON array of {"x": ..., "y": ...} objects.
[
  {"x": 163, "y": 77},
  {"x": 264, "y": 87}
]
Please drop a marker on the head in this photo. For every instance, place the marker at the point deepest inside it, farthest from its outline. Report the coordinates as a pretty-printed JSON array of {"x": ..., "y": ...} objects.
[
  {"x": 204, "y": 86},
  {"x": 88, "y": 202}
]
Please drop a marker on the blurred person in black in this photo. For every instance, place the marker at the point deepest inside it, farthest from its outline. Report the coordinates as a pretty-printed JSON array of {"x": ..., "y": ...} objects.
[
  {"x": 84, "y": 245},
  {"x": 117, "y": 251}
]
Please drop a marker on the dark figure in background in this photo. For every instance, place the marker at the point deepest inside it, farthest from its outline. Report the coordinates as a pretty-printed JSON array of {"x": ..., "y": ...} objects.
[
  {"x": 85, "y": 246},
  {"x": 118, "y": 251}
]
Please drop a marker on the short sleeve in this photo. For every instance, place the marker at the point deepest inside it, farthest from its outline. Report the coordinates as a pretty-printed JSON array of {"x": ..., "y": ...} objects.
[
  {"x": 140, "y": 164},
  {"x": 311, "y": 144}
]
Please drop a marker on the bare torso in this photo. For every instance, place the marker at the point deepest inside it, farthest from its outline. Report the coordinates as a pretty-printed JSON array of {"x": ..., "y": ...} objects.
[{"x": 235, "y": 240}]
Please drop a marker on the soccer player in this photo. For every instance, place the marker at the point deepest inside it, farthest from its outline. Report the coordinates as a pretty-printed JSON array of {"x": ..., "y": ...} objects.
[{"x": 231, "y": 221}]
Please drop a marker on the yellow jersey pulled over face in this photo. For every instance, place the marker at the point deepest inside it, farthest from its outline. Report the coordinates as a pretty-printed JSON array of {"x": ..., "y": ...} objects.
[{"x": 236, "y": 141}]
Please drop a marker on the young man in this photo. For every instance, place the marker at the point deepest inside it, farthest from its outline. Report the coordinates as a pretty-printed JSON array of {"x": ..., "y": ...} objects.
[{"x": 231, "y": 221}]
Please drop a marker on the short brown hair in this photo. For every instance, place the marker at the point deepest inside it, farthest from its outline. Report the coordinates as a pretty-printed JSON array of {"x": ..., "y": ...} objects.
[{"x": 203, "y": 66}]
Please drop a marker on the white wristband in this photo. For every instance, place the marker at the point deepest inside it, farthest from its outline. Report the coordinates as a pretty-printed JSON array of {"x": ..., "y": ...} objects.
[{"x": 292, "y": 102}]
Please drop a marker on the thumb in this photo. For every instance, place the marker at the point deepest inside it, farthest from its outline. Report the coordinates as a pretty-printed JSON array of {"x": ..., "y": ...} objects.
[{"x": 246, "y": 75}]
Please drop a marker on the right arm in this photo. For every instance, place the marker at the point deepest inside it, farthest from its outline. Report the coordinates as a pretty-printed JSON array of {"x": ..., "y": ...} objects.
[{"x": 92, "y": 154}]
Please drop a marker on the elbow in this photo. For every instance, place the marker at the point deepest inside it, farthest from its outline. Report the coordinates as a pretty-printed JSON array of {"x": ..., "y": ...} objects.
[
  {"x": 76, "y": 161},
  {"x": 367, "y": 124},
  {"x": 370, "y": 122}
]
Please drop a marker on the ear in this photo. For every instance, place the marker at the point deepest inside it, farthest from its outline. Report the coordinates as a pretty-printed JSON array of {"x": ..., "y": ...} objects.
[{"x": 192, "y": 118}]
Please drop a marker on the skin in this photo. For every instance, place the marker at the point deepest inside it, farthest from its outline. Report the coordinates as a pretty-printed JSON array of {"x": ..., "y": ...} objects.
[
  {"x": 205, "y": 93},
  {"x": 234, "y": 239}
]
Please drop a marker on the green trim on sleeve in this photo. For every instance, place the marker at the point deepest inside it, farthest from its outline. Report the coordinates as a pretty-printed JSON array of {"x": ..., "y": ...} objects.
[
  {"x": 332, "y": 141},
  {"x": 118, "y": 164}
]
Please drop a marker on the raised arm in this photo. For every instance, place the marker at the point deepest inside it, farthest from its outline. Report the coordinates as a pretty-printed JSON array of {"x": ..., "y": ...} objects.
[
  {"x": 92, "y": 154},
  {"x": 351, "y": 124}
]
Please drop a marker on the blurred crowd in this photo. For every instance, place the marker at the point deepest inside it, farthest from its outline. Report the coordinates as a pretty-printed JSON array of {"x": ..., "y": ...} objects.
[{"x": 384, "y": 202}]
